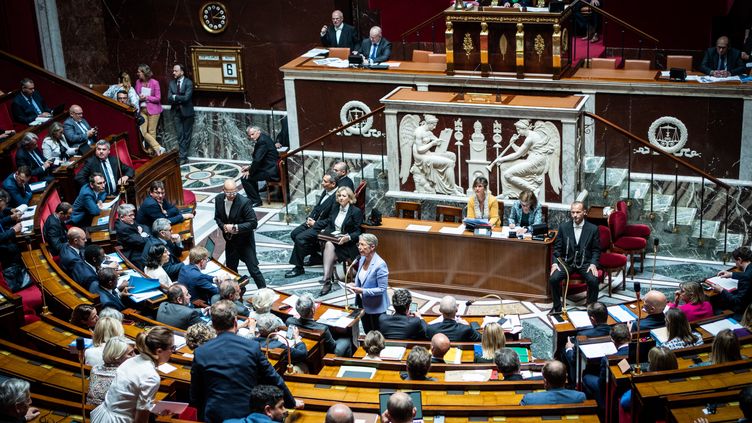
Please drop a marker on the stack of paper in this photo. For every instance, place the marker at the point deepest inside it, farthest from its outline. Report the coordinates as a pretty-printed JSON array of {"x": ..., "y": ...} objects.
[
  {"x": 728, "y": 284},
  {"x": 453, "y": 231},
  {"x": 38, "y": 186},
  {"x": 579, "y": 319},
  {"x": 418, "y": 228},
  {"x": 660, "y": 335},
  {"x": 336, "y": 318},
  {"x": 621, "y": 313},
  {"x": 598, "y": 350},
  {"x": 715, "y": 327}
]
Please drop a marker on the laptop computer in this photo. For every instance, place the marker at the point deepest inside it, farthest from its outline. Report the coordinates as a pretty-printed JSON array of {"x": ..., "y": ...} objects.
[
  {"x": 417, "y": 403},
  {"x": 210, "y": 246},
  {"x": 58, "y": 109}
]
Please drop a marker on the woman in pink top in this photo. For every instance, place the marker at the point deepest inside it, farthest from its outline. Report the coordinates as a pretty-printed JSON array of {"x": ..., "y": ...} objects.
[
  {"x": 695, "y": 305},
  {"x": 148, "y": 92}
]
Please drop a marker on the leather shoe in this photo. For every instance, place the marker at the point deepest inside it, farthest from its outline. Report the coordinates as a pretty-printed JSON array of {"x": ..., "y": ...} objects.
[
  {"x": 554, "y": 311},
  {"x": 294, "y": 272},
  {"x": 259, "y": 204},
  {"x": 314, "y": 260},
  {"x": 327, "y": 288}
]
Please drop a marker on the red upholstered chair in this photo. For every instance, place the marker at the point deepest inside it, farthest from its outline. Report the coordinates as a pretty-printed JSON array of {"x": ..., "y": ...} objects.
[
  {"x": 121, "y": 149},
  {"x": 623, "y": 243},
  {"x": 611, "y": 262},
  {"x": 360, "y": 197},
  {"x": 6, "y": 122},
  {"x": 633, "y": 229},
  {"x": 31, "y": 299},
  {"x": 280, "y": 183}
]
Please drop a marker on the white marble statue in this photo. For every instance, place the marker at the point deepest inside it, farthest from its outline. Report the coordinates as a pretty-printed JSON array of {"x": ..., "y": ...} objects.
[
  {"x": 542, "y": 146},
  {"x": 433, "y": 167}
]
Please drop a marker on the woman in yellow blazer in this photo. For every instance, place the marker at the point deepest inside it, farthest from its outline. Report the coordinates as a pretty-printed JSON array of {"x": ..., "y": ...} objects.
[{"x": 483, "y": 205}]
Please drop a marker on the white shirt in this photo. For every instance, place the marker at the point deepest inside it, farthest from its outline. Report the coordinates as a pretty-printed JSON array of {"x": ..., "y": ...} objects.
[
  {"x": 337, "y": 32},
  {"x": 577, "y": 231},
  {"x": 340, "y": 218},
  {"x": 134, "y": 387}
]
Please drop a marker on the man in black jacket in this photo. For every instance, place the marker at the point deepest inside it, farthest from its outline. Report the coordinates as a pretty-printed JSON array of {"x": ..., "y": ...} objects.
[
  {"x": 263, "y": 166},
  {"x": 115, "y": 172},
  {"x": 457, "y": 330},
  {"x": 55, "y": 233},
  {"x": 598, "y": 314},
  {"x": 739, "y": 299},
  {"x": 305, "y": 236},
  {"x": 402, "y": 324},
  {"x": 339, "y": 34},
  {"x": 131, "y": 236},
  {"x": 722, "y": 61},
  {"x": 28, "y": 104},
  {"x": 340, "y": 346}
]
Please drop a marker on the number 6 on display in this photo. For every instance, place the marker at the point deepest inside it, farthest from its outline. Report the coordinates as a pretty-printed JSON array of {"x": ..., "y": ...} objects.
[{"x": 229, "y": 70}]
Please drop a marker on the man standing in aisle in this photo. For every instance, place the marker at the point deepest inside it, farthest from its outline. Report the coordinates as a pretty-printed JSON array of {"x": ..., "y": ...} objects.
[{"x": 180, "y": 97}]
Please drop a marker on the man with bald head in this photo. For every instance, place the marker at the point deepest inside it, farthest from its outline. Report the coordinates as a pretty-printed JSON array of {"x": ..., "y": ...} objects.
[
  {"x": 554, "y": 378},
  {"x": 722, "y": 61},
  {"x": 440, "y": 345},
  {"x": 339, "y": 413},
  {"x": 375, "y": 48},
  {"x": 234, "y": 215},
  {"x": 72, "y": 253},
  {"x": 339, "y": 34},
  {"x": 456, "y": 329},
  {"x": 399, "y": 409},
  {"x": 77, "y": 130},
  {"x": 653, "y": 303}
]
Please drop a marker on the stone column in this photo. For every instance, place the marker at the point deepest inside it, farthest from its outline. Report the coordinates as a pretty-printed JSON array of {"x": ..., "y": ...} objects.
[
  {"x": 49, "y": 36},
  {"x": 392, "y": 149}
]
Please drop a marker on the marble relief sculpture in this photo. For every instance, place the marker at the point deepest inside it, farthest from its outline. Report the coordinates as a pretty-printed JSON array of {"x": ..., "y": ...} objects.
[
  {"x": 425, "y": 156},
  {"x": 527, "y": 167}
]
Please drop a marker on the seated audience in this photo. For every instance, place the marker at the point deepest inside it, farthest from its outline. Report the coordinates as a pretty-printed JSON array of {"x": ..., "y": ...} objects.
[
  {"x": 106, "y": 328},
  {"x": 654, "y": 303},
  {"x": 115, "y": 172},
  {"x": 106, "y": 287},
  {"x": 659, "y": 359},
  {"x": 262, "y": 302},
  {"x": 554, "y": 379},
  {"x": 595, "y": 385},
  {"x": 508, "y": 364},
  {"x": 156, "y": 206},
  {"x": 266, "y": 326},
  {"x": 725, "y": 348},
  {"x": 738, "y": 299},
  {"x": 695, "y": 304},
  {"x": 111, "y": 312},
  {"x": 130, "y": 235},
  {"x": 344, "y": 220},
  {"x": 55, "y": 146},
  {"x": 90, "y": 201},
  {"x": 375, "y": 48},
  {"x": 373, "y": 344},
  {"x": 10, "y": 254},
  {"x": 722, "y": 61},
  {"x": 230, "y": 290},
  {"x": 341, "y": 345},
  {"x": 680, "y": 333},
  {"x": 72, "y": 253},
  {"x": 525, "y": 213},
  {"x": 85, "y": 316},
  {"x": 402, "y": 324},
  {"x": 341, "y": 169},
  {"x": 418, "y": 365},
  {"x": 177, "y": 310},
  {"x": 28, "y": 104},
  {"x": 481, "y": 204},
  {"x": 339, "y": 413},
  {"x": 200, "y": 285},
  {"x": 456, "y": 329},
  {"x": 124, "y": 84},
  {"x": 79, "y": 134},
  {"x": 161, "y": 234},
  {"x": 86, "y": 274},
  {"x": 29, "y": 155},
  {"x": 492, "y": 340},
  {"x": 598, "y": 315},
  {"x": 17, "y": 186},
  {"x": 15, "y": 401},
  {"x": 158, "y": 257},
  {"x": 197, "y": 335},
  {"x": 440, "y": 345},
  {"x": 268, "y": 405},
  {"x": 399, "y": 409},
  {"x": 116, "y": 350},
  {"x": 339, "y": 34},
  {"x": 55, "y": 233}
]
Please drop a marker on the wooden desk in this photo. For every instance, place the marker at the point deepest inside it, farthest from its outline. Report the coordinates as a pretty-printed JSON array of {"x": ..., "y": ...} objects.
[
  {"x": 459, "y": 263},
  {"x": 616, "y": 74}
]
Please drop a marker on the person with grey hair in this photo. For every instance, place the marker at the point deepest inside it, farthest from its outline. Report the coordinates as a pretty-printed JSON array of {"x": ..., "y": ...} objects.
[
  {"x": 161, "y": 234},
  {"x": 341, "y": 345},
  {"x": 15, "y": 401},
  {"x": 375, "y": 48},
  {"x": 305, "y": 236},
  {"x": 30, "y": 155},
  {"x": 111, "y": 312},
  {"x": 508, "y": 363},
  {"x": 262, "y": 302},
  {"x": 130, "y": 235},
  {"x": 371, "y": 282},
  {"x": 266, "y": 326},
  {"x": 339, "y": 413},
  {"x": 54, "y": 230},
  {"x": 418, "y": 365},
  {"x": 55, "y": 146},
  {"x": 116, "y": 173},
  {"x": 403, "y": 324},
  {"x": 79, "y": 133},
  {"x": 456, "y": 329},
  {"x": 263, "y": 164},
  {"x": 230, "y": 290},
  {"x": 399, "y": 409}
]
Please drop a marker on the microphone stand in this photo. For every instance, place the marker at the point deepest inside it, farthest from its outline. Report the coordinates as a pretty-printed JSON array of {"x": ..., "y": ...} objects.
[
  {"x": 122, "y": 186},
  {"x": 347, "y": 273},
  {"x": 290, "y": 369},
  {"x": 655, "y": 259},
  {"x": 566, "y": 288},
  {"x": 501, "y": 310},
  {"x": 80, "y": 346},
  {"x": 638, "y": 366}
]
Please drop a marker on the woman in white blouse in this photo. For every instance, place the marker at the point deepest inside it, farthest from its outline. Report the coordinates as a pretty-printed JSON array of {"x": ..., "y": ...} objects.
[
  {"x": 55, "y": 145},
  {"x": 157, "y": 257},
  {"x": 343, "y": 222}
]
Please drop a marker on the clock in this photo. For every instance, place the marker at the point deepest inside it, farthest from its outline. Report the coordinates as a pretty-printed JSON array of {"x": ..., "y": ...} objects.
[{"x": 213, "y": 17}]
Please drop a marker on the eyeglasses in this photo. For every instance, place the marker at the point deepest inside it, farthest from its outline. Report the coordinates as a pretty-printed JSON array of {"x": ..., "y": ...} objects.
[{"x": 174, "y": 348}]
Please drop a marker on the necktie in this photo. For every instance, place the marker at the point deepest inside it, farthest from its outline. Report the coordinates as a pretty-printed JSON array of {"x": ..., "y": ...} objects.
[
  {"x": 83, "y": 127},
  {"x": 108, "y": 175},
  {"x": 34, "y": 105},
  {"x": 36, "y": 158},
  {"x": 337, "y": 32},
  {"x": 180, "y": 86},
  {"x": 374, "y": 47},
  {"x": 722, "y": 63}
]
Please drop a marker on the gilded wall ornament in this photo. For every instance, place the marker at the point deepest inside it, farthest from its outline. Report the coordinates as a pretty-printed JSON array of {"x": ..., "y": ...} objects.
[
  {"x": 503, "y": 45},
  {"x": 540, "y": 45},
  {"x": 467, "y": 44}
]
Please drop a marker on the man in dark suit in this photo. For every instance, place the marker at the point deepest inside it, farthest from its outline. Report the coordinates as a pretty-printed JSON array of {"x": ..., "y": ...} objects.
[
  {"x": 340, "y": 345},
  {"x": 176, "y": 311},
  {"x": 10, "y": 254},
  {"x": 263, "y": 165},
  {"x": 741, "y": 297},
  {"x": 220, "y": 382},
  {"x": 234, "y": 215},
  {"x": 402, "y": 325},
  {"x": 55, "y": 234},
  {"x": 156, "y": 206},
  {"x": 110, "y": 296},
  {"x": 161, "y": 233},
  {"x": 72, "y": 253},
  {"x": 29, "y": 155},
  {"x": 508, "y": 364},
  {"x": 598, "y": 314},
  {"x": 77, "y": 130},
  {"x": 305, "y": 236},
  {"x": 17, "y": 186},
  {"x": 722, "y": 61},
  {"x": 653, "y": 304},
  {"x": 576, "y": 247},
  {"x": 440, "y": 345},
  {"x": 180, "y": 97},
  {"x": 89, "y": 204},
  {"x": 201, "y": 286},
  {"x": 457, "y": 330},
  {"x": 554, "y": 378},
  {"x": 375, "y": 48},
  {"x": 116, "y": 173},
  {"x": 85, "y": 273},
  {"x": 130, "y": 235},
  {"x": 28, "y": 104},
  {"x": 343, "y": 180},
  {"x": 595, "y": 384},
  {"x": 339, "y": 34}
]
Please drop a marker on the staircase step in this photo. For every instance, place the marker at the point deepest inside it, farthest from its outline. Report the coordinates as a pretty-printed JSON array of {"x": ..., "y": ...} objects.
[
  {"x": 710, "y": 229},
  {"x": 614, "y": 177},
  {"x": 734, "y": 241},
  {"x": 591, "y": 164},
  {"x": 685, "y": 216},
  {"x": 638, "y": 190},
  {"x": 663, "y": 203}
]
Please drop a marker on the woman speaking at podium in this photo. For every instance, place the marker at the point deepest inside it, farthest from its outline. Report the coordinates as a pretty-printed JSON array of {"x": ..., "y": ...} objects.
[{"x": 371, "y": 282}]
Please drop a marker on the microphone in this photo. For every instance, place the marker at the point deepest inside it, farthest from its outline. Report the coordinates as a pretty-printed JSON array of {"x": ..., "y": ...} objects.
[{"x": 638, "y": 368}]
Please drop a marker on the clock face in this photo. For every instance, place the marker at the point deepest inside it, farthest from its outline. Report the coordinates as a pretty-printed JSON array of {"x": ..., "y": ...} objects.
[{"x": 213, "y": 16}]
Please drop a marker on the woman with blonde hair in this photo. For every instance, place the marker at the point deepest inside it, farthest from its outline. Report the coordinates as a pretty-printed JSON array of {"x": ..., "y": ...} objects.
[
  {"x": 55, "y": 146},
  {"x": 695, "y": 304},
  {"x": 106, "y": 328},
  {"x": 198, "y": 334},
  {"x": 492, "y": 340},
  {"x": 373, "y": 344},
  {"x": 136, "y": 382},
  {"x": 262, "y": 302},
  {"x": 680, "y": 333},
  {"x": 124, "y": 84},
  {"x": 116, "y": 351},
  {"x": 344, "y": 223}
]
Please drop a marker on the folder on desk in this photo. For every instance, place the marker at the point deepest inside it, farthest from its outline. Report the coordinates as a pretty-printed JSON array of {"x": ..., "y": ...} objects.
[{"x": 140, "y": 284}]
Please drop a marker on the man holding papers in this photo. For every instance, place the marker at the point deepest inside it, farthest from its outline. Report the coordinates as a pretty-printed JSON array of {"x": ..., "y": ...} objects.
[
  {"x": 106, "y": 287},
  {"x": 739, "y": 299}
]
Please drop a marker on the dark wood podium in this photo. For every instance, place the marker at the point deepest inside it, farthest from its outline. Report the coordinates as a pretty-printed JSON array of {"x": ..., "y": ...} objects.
[{"x": 497, "y": 40}]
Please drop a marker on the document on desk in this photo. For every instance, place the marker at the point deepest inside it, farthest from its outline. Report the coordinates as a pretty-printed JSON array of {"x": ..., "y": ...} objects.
[
  {"x": 166, "y": 368},
  {"x": 715, "y": 327},
  {"x": 728, "y": 284},
  {"x": 621, "y": 313},
  {"x": 660, "y": 335},
  {"x": 315, "y": 52},
  {"x": 37, "y": 186},
  {"x": 418, "y": 228},
  {"x": 393, "y": 64},
  {"x": 503, "y": 234},
  {"x": 392, "y": 352},
  {"x": 712, "y": 79},
  {"x": 598, "y": 350},
  {"x": 481, "y": 375},
  {"x": 579, "y": 319},
  {"x": 453, "y": 231},
  {"x": 336, "y": 318}
]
